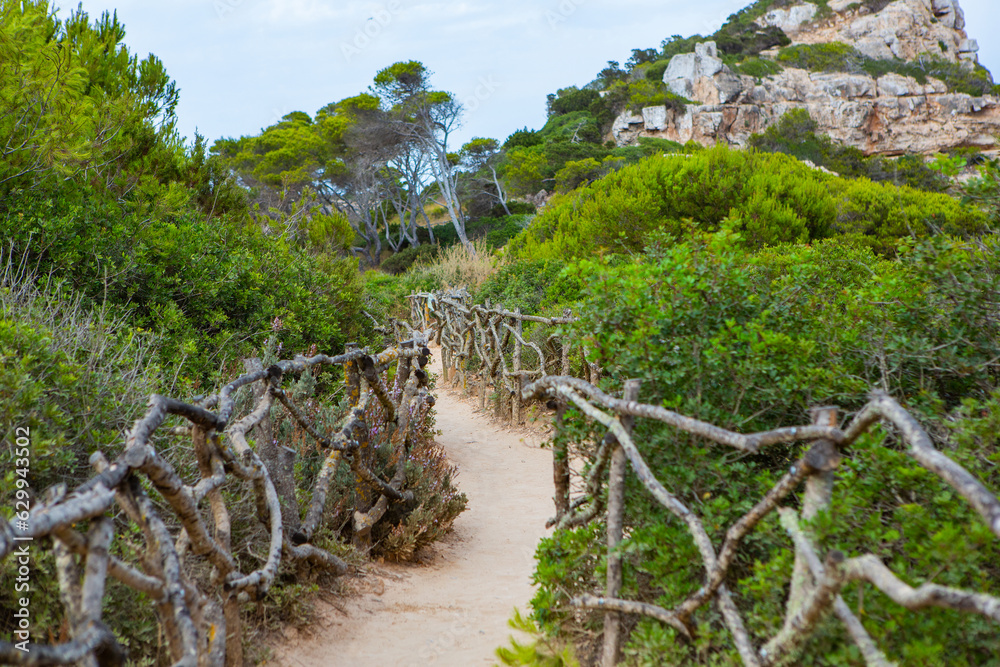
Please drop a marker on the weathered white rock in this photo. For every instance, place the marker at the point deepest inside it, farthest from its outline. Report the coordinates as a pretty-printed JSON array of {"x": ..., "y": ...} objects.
[
  {"x": 902, "y": 29},
  {"x": 846, "y": 86},
  {"x": 949, "y": 13},
  {"x": 897, "y": 85},
  {"x": 703, "y": 77},
  {"x": 841, "y": 5},
  {"x": 893, "y": 115},
  {"x": 654, "y": 118},
  {"x": 791, "y": 20},
  {"x": 968, "y": 50},
  {"x": 685, "y": 69}
]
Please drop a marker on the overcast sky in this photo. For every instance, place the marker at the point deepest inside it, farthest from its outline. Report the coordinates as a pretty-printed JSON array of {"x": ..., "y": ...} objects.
[{"x": 242, "y": 64}]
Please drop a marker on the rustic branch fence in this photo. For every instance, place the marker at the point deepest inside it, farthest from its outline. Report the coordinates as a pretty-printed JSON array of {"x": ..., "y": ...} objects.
[
  {"x": 199, "y": 614},
  {"x": 493, "y": 335}
]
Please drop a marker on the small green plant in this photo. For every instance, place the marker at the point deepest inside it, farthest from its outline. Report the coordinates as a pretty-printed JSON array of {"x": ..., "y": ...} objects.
[
  {"x": 795, "y": 134},
  {"x": 758, "y": 68},
  {"x": 948, "y": 165},
  {"x": 540, "y": 651}
]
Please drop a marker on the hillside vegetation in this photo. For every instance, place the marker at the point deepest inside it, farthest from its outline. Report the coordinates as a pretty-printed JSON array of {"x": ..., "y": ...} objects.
[{"x": 742, "y": 287}]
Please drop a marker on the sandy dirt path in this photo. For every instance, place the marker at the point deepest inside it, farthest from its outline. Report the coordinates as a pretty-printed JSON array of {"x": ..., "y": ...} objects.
[{"x": 451, "y": 611}]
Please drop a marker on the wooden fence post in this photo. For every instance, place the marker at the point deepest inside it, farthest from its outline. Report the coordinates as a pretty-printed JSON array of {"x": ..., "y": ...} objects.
[
  {"x": 352, "y": 378},
  {"x": 515, "y": 403},
  {"x": 484, "y": 376},
  {"x": 564, "y": 370},
  {"x": 467, "y": 347},
  {"x": 616, "y": 514},
  {"x": 279, "y": 460},
  {"x": 560, "y": 466},
  {"x": 816, "y": 497}
]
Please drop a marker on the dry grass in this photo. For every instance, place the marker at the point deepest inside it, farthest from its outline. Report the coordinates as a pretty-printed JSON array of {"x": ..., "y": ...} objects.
[{"x": 458, "y": 267}]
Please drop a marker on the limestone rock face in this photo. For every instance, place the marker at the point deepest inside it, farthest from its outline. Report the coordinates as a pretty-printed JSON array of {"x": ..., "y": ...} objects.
[
  {"x": 890, "y": 115},
  {"x": 791, "y": 20},
  {"x": 685, "y": 69},
  {"x": 902, "y": 29}
]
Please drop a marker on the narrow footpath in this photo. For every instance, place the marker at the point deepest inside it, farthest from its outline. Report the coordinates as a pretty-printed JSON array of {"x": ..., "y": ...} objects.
[{"x": 452, "y": 610}]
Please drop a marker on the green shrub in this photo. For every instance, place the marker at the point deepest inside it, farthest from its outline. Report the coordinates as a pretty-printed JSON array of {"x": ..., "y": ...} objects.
[
  {"x": 795, "y": 134},
  {"x": 740, "y": 35},
  {"x": 524, "y": 138},
  {"x": 768, "y": 198},
  {"x": 405, "y": 258},
  {"x": 655, "y": 145},
  {"x": 656, "y": 70},
  {"x": 574, "y": 125},
  {"x": 749, "y": 342},
  {"x": 840, "y": 57},
  {"x": 645, "y": 93},
  {"x": 77, "y": 377},
  {"x": 984, "y": 190},
  {"x": 436, "y": 505},
  {"x": 572, "y": 99},
  {"x": 515, "y": 208},
  {"x": 828, "y": 57},
  {"x": 511, "y": 226},
  {"x": 758, "y": 68},
  {"x": 526, "y": 285}
]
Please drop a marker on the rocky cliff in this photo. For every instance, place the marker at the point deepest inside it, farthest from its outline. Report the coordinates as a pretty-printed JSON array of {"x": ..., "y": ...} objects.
[{"x": 890, "y": 114}]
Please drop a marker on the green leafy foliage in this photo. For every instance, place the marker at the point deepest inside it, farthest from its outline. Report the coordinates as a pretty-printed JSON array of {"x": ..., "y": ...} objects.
[
  {"x": 795, "y": 134},
  {"x": 73, "y": 98},
  {"x": 768, "y": 198},
  {"x": 758, "y": 68},
  {"x": 541, "y": 652},
  {"x": 404, "y": 259},
  {"x": 985, "y": 190},
  {"x": 75, "y": 377},
  {"x": 749, "y": 341},
  {"x": 840, "y": 57},
  {"x": 570, "y": 100},
  {"x": 526, "y": 285}
]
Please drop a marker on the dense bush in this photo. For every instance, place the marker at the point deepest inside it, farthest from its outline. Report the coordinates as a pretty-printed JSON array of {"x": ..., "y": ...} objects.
[
  {"x": 758, "y": 68},
  {"x": 750, "y": 341},
  {"x": 740, "y": 35},
  {"x": 575, "y": 126},
  {"x": 572, "y": 99},
  {"x": 526, "y": 285},
  {"x": 404, "y": 259},
  {"x": 795, "y": 134},
  {"x": 985, "y": 190},
  {"x": 768, "y": 198},
  {"x": 77, "y": 377},
  {"x": 840, "y": 57}
]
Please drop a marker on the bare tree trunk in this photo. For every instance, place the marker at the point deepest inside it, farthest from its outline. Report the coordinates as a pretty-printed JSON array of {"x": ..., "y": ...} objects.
[
  {"x": 500, "y": 194},
  {"x": 443, "y": 175}
]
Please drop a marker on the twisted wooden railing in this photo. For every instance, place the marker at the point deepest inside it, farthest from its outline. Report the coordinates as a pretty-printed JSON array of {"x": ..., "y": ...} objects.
[
  {"x": 466, "y": 331},
  {"x": 199, "y": 612}
]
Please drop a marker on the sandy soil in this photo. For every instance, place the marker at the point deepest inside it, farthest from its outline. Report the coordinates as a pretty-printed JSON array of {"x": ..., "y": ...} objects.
[{"x": 452, "y": 609}]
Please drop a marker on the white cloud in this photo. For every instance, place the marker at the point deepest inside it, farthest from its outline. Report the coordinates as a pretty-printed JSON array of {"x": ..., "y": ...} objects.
[
  {"x": 306, "y": 12},
  {"x": 266, "y": 57}
]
